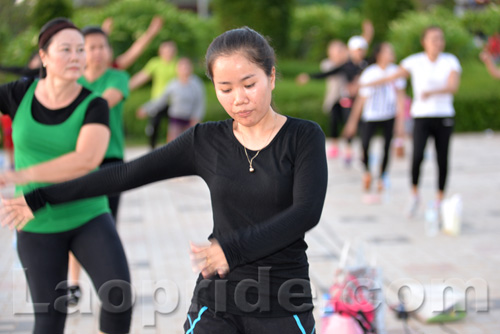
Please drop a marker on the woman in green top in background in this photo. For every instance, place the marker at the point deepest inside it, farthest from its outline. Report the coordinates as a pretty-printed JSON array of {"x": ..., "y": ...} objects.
[
  {"x": 111, "y": 85},
  {"x": 60, "y": 130}
]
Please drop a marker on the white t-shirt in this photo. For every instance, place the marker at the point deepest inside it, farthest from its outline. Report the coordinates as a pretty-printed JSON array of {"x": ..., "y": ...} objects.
[
  {"x": 427, "y": 76},
  {"x": 380, "y": 104}
]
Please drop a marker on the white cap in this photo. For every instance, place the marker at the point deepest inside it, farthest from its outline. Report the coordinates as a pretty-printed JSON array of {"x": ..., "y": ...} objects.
[{"x": 357, "y": 42}]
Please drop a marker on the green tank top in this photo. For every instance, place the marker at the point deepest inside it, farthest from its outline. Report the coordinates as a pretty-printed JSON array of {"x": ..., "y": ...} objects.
[{"x": 36, "y": 143}]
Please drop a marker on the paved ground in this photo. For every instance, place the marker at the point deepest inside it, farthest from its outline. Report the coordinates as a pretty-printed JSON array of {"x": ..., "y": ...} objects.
[{"x": 158, "y": 221}]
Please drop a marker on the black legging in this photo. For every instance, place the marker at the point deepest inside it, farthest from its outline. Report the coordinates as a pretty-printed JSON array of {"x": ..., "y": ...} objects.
[
  {"x": 154, "y": 126},
  {"x": 367, "y": 131},
  {"x": 441, "y": 129},
  {"x": 338, "y": 117},
  {"x": 98, "y": 248}
]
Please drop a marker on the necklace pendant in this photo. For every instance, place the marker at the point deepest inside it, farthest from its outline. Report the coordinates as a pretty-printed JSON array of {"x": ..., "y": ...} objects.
[{"x": 251, "y": 169}]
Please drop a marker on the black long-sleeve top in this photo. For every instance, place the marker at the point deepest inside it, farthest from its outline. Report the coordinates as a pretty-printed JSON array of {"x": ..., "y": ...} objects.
[{"x": 259, "y": 218}]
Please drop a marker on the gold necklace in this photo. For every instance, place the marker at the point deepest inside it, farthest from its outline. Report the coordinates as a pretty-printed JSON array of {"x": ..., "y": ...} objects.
[{"x": 250, "y": 160}]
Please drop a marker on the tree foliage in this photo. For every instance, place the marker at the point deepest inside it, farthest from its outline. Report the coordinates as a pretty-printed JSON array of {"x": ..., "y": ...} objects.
[
  {"x": 272, "y": 18},
  {"x": 46, "y": 10},
  {"x": 314, "y": 26},
  {"x": 405, "y": 33},
  {"x": 381, "y": 13}
]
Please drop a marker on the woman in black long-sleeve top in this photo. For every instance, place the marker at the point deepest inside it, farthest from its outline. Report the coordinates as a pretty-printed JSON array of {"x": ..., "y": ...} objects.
[{"x": 267, "y": 177}]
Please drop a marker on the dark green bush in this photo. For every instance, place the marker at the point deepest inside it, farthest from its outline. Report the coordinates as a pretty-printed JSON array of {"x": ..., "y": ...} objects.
[
  {"x": 271, "y": 18},
  {"x": 46, "y": 10},
  {"x": 477, "y": 102},
  {"x": 18, "y": 50},
  {"x": 381, "y": 13}
]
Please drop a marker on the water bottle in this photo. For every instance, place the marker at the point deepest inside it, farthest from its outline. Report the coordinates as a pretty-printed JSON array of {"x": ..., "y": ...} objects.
[
  {"x": 387, "y": 187},
  {"x": 431, "y": 219},
  {"x": 328, "y": 307}
]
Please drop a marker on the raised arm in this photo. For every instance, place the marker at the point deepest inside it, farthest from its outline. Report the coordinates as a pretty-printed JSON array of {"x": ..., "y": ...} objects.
[
  {"x": 367, "y": 31},
  {"x": 128, "y": 58}
]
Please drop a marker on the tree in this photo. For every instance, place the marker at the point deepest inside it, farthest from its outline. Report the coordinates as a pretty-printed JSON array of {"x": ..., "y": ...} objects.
[
  {"x": 381, "y": 13},
  {"x": 272, "y": 18},
  {"x": 46, "y": 10}
]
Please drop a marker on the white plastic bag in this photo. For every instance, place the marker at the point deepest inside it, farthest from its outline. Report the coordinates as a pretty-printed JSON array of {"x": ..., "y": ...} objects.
[{"x": 451, "y": 213}]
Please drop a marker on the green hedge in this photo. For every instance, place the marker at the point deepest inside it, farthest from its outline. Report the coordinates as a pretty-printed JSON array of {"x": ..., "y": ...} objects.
[{"x": 477, "y": 102}]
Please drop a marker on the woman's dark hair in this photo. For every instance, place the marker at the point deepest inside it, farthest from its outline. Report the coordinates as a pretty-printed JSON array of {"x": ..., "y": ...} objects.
[
  {"x": 48, "y": 30},
  {"x": 92, "y": 30},
  {"x": 51, "y": 28},
  {"x": 376, "y": 51},
  {"x": 246, "y": 40},
  {"x": 429, "y": 28}
]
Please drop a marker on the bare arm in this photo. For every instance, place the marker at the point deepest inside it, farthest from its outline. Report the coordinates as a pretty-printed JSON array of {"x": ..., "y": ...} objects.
[
  {"x": 126, "y": 59},
  {"x": 400, "y": 112},
  {"x": 400, "y": 73},
  {"x": 152, "y": 107},
  {"x": 356, "y": 111},
  {"x": 113, "y": 96},
  {"x": 90, "y": 148},
  {"x": 368, "y": 31},
  {"x": 138, "y": 80},
  {"x": 490, "y": 65},
  {"x": 451, "y": 86}
]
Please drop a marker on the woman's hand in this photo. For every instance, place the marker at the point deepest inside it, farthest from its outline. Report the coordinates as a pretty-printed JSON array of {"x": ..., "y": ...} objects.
[
  {"x": 486, "y": 57},
  {"x": 350, "y": 129},
  {"x": 302, "y": 79},
  {"x": 426, "y": 95},
  {"x": 210, "y": 260},
  {"x": 141, "y": 113},
  {"x": 14, "y": 177},
  {"x": 15, "y": 213}
]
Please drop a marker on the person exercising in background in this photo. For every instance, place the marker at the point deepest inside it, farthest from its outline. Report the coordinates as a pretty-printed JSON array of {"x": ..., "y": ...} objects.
[
  {"x": 160, "y": 71},
  {"x": 186, "y": 97},
  {"x": 350, "y": 70}
]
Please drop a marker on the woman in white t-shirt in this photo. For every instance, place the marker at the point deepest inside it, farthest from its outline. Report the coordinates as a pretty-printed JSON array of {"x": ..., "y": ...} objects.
[
  {"x": 435, "y": 77},
  {"x": 378, "y": 107}
]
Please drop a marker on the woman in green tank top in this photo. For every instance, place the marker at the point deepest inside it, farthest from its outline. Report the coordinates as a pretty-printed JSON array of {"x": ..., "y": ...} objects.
[{"x": 61, "y": 132}]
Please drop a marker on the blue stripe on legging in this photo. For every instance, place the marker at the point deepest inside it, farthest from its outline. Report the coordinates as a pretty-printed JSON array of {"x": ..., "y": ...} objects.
[
  {"x": 203, "y": 309},
  {"x": 302, "y": 330},
  {"x": 190, "y": 321}
]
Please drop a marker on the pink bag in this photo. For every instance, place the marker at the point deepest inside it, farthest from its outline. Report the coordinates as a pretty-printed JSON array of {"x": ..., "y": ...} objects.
[{"x": 341, "y": 324}]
